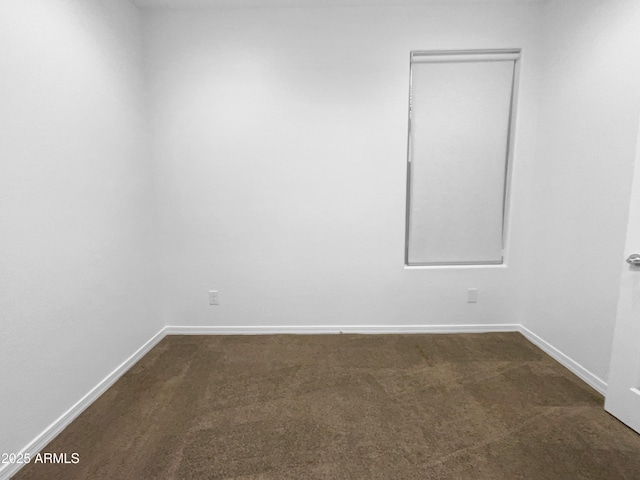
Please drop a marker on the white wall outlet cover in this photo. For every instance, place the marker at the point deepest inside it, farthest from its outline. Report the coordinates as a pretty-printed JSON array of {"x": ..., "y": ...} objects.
[
  {"x": 213, "y": 297},
  {"x": 472, "y": 295}
]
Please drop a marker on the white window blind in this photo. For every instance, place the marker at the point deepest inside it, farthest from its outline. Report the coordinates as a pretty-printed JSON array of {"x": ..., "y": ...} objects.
[{"x": 461, "y": 108}]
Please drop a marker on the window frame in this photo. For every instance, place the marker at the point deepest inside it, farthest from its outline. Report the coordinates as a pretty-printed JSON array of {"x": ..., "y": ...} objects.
[{"x": 456, "y": 56}]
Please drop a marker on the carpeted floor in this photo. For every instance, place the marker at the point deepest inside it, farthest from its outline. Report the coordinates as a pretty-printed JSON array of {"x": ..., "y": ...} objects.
[{"x": 466, "y": 406}]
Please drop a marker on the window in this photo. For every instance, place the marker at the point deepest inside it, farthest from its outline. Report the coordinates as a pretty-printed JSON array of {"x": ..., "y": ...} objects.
[{"x": 461, "y": 110}]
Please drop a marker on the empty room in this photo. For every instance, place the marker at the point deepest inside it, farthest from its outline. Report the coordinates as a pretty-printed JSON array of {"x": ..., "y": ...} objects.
[{"x": 323, "y": 239}]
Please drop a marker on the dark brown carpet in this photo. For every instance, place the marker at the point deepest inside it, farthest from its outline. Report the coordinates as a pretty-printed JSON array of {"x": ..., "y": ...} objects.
[{"x": 468, "y": 406}]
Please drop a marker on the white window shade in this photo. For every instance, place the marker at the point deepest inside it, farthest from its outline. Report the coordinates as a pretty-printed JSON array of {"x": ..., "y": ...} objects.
[{"x": 460, "y": 126}]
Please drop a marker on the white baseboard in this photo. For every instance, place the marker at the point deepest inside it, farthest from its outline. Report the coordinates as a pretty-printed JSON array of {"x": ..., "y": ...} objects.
[
  {"x": 590, "y": 378},
  {"x": 37, "y": 444},
  {"x": 333, "y": 329},
  {"x": 65, "y": 419}
]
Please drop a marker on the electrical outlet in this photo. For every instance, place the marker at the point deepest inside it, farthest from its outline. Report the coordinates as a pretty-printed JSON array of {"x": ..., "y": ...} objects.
[
  {"x": 213, "y": 297},
  {"x": 472, "y": 295}
]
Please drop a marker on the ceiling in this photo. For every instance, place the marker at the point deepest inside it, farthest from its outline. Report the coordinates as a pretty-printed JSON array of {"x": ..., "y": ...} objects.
[{"x": 302, "y": 3}]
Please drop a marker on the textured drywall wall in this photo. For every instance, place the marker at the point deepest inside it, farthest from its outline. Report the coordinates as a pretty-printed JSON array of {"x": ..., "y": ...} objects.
[
  {"x": 76, "y": 210},
  {"x": 280, "y": 140},
  {"x": 581, "y": 178}
]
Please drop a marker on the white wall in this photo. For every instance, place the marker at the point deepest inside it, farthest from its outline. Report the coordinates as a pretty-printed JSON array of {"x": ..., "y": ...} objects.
[
  {"x": 75, "y": 205},
  {"x": 589, "y": 111},
  {"x": 280, "y": 139}
]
